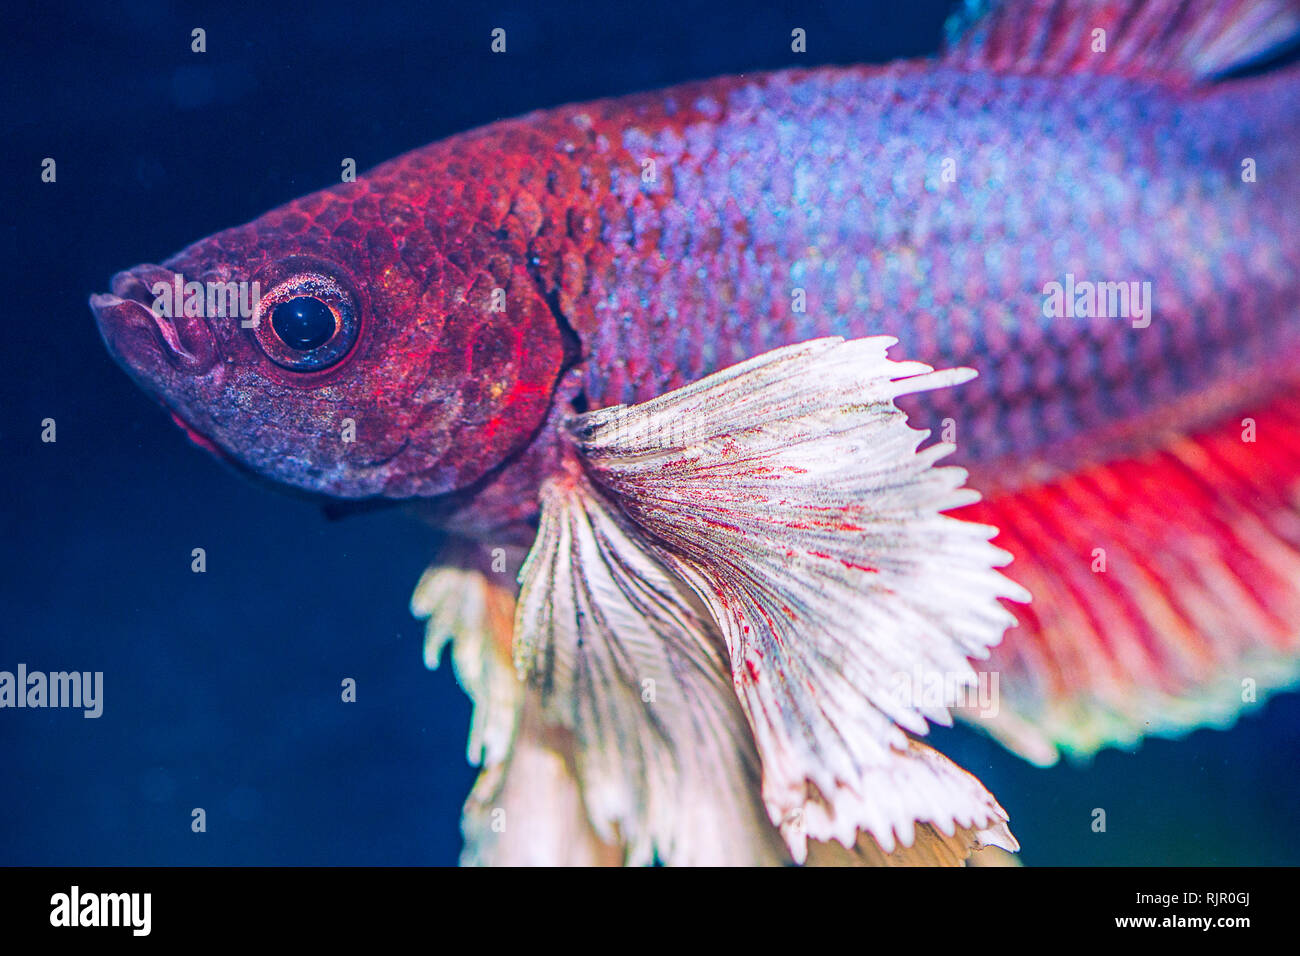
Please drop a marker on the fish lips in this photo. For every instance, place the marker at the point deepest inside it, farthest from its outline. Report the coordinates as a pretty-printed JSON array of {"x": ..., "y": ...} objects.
[{"x": 140, "y": 337}]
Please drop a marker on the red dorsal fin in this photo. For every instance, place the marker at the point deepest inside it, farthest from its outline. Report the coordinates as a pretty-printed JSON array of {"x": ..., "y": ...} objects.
[
  {"x": 1175, "y": 40},
  {"x": 1166, "y": 588}
]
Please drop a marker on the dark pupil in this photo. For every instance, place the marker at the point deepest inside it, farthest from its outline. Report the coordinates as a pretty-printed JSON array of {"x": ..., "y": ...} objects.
[{"x": 303, "y": 323}]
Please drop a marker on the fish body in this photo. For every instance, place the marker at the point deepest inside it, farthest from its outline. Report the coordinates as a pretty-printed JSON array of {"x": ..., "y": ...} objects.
[
  {"x": 514, "y": 316},
  {"x": 679, "y": 232},
  {"x": 686, "y": 231}
]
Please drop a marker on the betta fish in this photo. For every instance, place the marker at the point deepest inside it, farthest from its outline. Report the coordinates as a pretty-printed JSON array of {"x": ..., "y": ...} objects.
[{"x": 653, "y": 364}]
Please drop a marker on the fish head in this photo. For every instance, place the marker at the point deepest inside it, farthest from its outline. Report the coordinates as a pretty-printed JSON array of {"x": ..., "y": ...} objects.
[{"x": 344, "y": 345}]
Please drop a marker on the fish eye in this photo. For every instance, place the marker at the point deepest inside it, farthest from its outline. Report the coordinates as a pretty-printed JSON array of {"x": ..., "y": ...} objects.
[{"x": 306, "y": 321}]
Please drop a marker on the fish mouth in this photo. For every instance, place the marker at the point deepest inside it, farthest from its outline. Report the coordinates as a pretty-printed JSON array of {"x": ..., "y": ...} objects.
[{"x": 139, "y": 335}]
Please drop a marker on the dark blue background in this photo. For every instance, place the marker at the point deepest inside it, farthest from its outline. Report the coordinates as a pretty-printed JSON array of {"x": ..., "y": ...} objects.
[{"x": 222, "y": 689}]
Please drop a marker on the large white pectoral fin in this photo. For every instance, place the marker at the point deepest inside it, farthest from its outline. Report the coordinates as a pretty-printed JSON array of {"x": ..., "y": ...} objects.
[
  {"x": 627, "y": 661},
  {"x": 791, "y": 495}
]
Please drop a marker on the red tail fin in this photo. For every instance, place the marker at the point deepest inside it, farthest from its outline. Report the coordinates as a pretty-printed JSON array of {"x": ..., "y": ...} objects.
[{"x": 1166, "y": 589}]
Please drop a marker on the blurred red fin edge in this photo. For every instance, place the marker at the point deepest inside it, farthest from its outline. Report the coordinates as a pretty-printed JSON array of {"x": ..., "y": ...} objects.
[{"x": 1182, "y": 41}]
